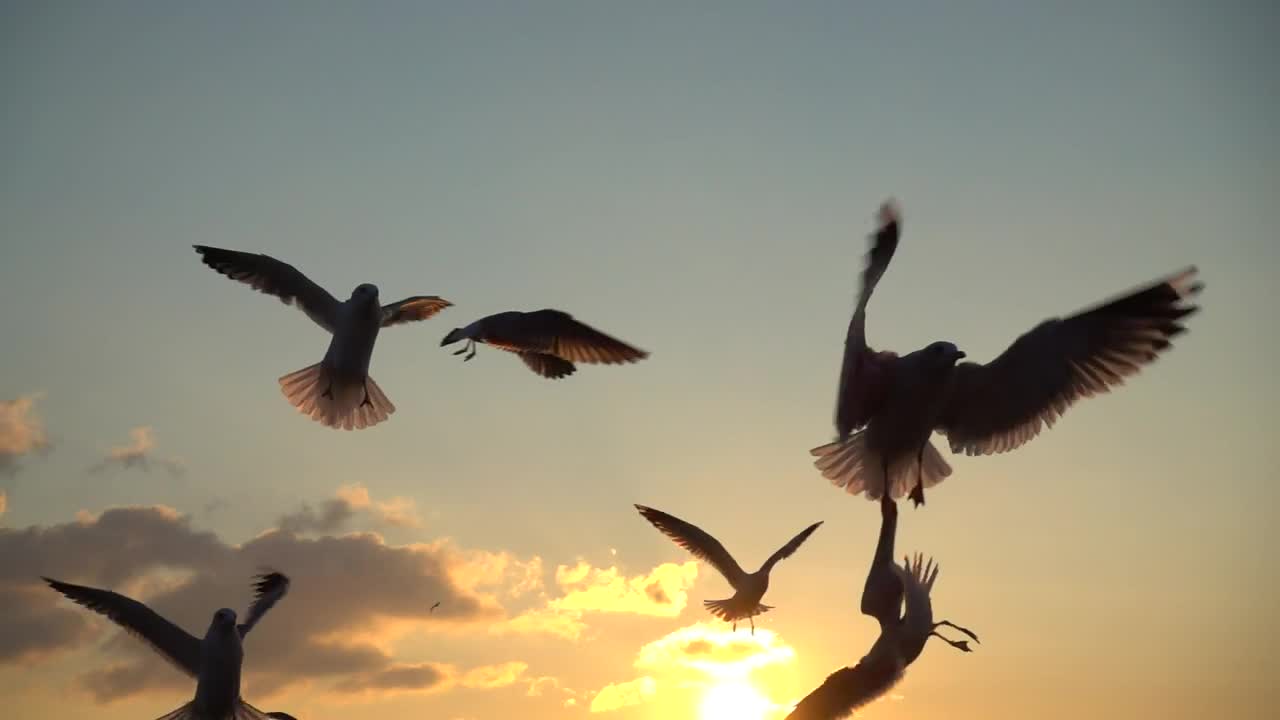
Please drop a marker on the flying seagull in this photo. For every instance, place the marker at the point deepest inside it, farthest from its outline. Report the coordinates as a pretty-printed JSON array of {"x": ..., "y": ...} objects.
[
  {"x": 888, "y": 405},
  {"x": 213, "y": 661},
  {"x": 337, "y": 391},
  {"x": 902, "y": 638},
  {"x": 548, "y": 341},
  {"x": 749, "y": 587}
]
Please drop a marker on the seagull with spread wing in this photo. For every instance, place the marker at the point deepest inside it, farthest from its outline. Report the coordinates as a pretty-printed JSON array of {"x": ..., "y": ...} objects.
[
  {"x": 337, "y": 391},
  {"x": 749, "y": 587},
  {"x": 902, "y": 637},
  {"x": 213, "y": 661},
  {"x": 889, "y": 405},
  {"x": 548, "y": 341}
]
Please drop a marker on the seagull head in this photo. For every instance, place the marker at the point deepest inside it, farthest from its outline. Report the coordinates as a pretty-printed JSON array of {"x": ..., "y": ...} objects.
[
  {"x": 944, "y": 354},
  {"x": 454, "y": 336},
  {"x": 224, "y": 619},
  {"x": 365, "y": 291}
]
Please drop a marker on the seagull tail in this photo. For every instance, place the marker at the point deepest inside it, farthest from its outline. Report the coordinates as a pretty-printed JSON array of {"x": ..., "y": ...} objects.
[
  {"x": 850, "y": 464},
  {"x": 241, "y": 711},
  {"x": 732, "y": 609},
  {"x": 334, "y": 400}
]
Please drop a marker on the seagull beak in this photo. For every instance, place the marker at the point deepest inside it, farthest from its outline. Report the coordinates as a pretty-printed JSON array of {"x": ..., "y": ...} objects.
[
  {"x": 960, "y": 355},
  {"x": 453, "y": 337}
]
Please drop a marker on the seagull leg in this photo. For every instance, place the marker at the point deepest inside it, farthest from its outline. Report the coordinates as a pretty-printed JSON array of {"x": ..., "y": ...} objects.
[
  {"x": 962, "y": 645},
  {"x": 472, "y": 353},
  {"x": 917, "y": 495},
  {"x": 752, "y": 620},
  {"x": 735, "y": 626}
]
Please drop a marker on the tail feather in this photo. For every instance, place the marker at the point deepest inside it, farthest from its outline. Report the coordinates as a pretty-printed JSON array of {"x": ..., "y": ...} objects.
[
  {"x": 851, "y": 465},
  {"x": 730, "y": 610},
  {"x": 336, "y": 402},
  {"x": 242, "y": 711}
]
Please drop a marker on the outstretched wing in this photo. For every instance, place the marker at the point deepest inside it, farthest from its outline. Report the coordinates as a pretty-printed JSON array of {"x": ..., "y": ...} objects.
[
  {"x": 273, "y": 277},
  {"x": 847, "y": 689},
  {"x": 792, "y": 545},
  {"x": 418, "y": 307},
  {"x": 269, "y": 588},
  {"x": 1002, "y": 405},
  {"x": 170, "y": 641},
  {"x": 697, "y": 541},
  {"x": 558, "y": 333},
  {"x": 863, "y": 370}
]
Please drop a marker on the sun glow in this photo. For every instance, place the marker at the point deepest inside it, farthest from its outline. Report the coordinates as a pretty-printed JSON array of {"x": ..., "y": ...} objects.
[{"x": 734, "y": 700}]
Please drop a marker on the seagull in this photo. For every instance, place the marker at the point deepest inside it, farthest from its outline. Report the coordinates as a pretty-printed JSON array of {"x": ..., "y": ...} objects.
[
  {"x": 888, "y": 405},
  {"x": 548, "y": 341},
  {"x": 213, "y": 661},
  {"x": 336, "y": 391},
  {"x": 749, "y": 587},
  {"x": 433, "y": 607},
  {"x": 902, "y": 638}
]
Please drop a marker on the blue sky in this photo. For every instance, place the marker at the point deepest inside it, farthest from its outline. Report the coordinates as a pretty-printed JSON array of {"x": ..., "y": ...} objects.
[{"x": 698, "y": 181}]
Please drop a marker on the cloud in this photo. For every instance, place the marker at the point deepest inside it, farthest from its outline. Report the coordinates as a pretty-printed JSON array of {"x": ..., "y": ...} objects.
[
  {"x": 334, "y": 513},
  {"x": 4, "y": 502},
  {"x": 662, "y": 592},
  {"x": 21, "y": 432},
  {"x": 616, "y": 696},
  {"x": 352, "y": 597},
  {"x": 494, "y": 676},
  {"x": 714, "y": 651},
  {"x": 429, "y": 677},
  {"x": 138, "y": 453}
]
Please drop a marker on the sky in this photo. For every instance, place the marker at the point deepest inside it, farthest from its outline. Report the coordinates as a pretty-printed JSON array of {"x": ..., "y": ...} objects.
[{"x": 697, "y": 179}]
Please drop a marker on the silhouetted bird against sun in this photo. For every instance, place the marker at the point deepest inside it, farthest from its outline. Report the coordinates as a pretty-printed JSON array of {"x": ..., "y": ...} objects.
[
  {"x": 902, "y": 638},
  {"x": 749, "y": 587},
  {"x": 548, "y": 341},
  {"x": 888, "y": 405},
  {"x": 213, "y": 661},
  {"x": 337, "y": 391}
]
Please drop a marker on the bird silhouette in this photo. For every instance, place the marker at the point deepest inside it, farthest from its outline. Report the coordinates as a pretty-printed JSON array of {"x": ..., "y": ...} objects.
[
  {"x": 337, "y": 391},
  {"x": 902, "y": 637},
  {"x": 548, "y": 341},
  {"x": 214, "y": 661},
  {"x": 888, "y": 405},
  {"x": 749, "y": 587}
]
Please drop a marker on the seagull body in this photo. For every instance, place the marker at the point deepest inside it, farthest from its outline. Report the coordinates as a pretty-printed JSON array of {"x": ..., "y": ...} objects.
[
  {"x": 337, "y": 391},
  {"x": 548, "y": 341},
  {"x": 902, "y": 637},
  {"x": 889, "y": 405},
  {"x": 749, "y": 587},
  {"x": 214, "y": 661}
]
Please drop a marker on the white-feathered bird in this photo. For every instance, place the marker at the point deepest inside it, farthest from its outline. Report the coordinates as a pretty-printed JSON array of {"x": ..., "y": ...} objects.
[
  {"x": 213, "y": 661},
  {"x": 337, "y": 391},
  {"x": 902, "y": 638},
  {"x": 888, "y": 405},
  {"x": 548, "y": 341},
  {"x": 749, "y": 587}
]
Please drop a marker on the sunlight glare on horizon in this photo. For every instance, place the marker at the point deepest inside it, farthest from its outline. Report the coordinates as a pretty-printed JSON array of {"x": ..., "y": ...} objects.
[{"x": 734, "y": 700}]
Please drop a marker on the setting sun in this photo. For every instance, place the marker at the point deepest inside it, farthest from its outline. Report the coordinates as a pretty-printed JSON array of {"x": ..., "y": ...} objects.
[{"x": 734, "y": 700}]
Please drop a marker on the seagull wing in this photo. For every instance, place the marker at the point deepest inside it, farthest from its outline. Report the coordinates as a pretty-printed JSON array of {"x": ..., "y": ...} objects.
[
  {"x": 170, "y": 641},
  {"x": 269, "y": 588},
  {"x": 418, "y": 307},
  {"x": 548, "y": 366},
  {"x": 847, "y": 689},
  {"x": 792, "y": 545},
  {"x": 273, "y": 277},
  {"x": 697, "y": 541},
  {"x": 1003, "y": 404},
  {"x": 557, "y": 333},
  {"x": 862, "y": 372}
]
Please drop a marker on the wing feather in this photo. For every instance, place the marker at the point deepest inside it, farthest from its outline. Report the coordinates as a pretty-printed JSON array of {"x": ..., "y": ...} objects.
[
  {"x": 792, "y": 545},
  {"x": 557, "y": 333},
  {"x": 269, "y": 588},
  {"x": 170, "y": 641},
  {"x": 697, "y": 541},
  {"x": 862, "y": 370},
  {"x": 999, "y": 406},
  {"x": 848, "y": 689},
  {"x": 273, "y": 277},
  {"x": 412, "y": 309}
]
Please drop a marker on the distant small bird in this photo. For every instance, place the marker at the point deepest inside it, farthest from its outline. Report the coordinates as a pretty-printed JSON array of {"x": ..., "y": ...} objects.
[
  {"x": 337, "y": 391},
  {"x": 901, "y": 640},
  {"x": 214, "y": 661},
  {"x": 749, "y": 587},
  {"x": 548, "y": 341},
  {"x": 894, "y": 403},
  {"x": 433, "y": 607}
]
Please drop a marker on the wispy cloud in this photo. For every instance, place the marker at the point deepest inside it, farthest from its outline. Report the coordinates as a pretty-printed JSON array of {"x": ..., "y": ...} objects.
[
  {"x": 22, "y": 432},
  {"x": 4, "y": 502},
  {"x": 333, "y": 514},
  {"x": 616, "y": 696},
  {"x": 139, "y": 453}
]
